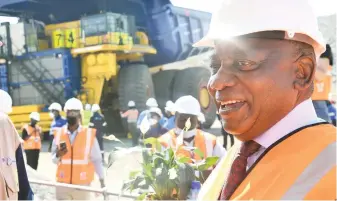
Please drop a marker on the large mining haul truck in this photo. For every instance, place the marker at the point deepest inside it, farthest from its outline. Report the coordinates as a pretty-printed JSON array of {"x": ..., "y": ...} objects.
[{"x": 102, "y": 51}]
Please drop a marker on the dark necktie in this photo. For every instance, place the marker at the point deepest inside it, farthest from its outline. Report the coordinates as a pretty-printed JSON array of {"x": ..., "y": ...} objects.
[{"x": 238, "y": 170}]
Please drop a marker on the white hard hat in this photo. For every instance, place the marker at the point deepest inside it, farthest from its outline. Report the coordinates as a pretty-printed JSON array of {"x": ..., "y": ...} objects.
[
  {"x": 201, "y": 117},
  {"x": 156, "y": 110},
  {"x": 241, "y": 17},
  {"x": 95, "y": 108},
  {"x": 188, "y": 105},
  {"x": 170, "y": 106},
  {"x": 55, "y": 106},
  {"x": 73, "y": 104},
  {"x": 5, "y": 102},
  {"x": 151, "y": 102},
  {"x": 35, "y": 116},
  {"x": 131, "y": 104}
]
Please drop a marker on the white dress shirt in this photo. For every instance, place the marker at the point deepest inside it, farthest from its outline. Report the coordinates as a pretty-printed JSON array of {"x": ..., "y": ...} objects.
[
  {"x": 95, "y": 155},
  {"x": 302, "y": 115}
]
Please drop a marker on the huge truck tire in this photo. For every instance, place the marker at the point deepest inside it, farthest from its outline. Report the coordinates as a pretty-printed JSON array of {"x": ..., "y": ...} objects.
[
  {"x": 134, "y": 83},
  {"x": 193, "y": 81},
  {"x": 163, "y": 86}
]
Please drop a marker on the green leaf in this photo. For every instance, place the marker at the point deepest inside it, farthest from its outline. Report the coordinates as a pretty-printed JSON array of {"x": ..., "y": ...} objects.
[
  {"x": 206, "y": 164},
  {"x": 183, "y": 159},
  {"x": 148, "y": 171},
  {"x": 199, "y": 153},
  {"x": 133, "y": 174},
  {"x": 142, "y": 196},
  {"x": 154, "y": 143}
]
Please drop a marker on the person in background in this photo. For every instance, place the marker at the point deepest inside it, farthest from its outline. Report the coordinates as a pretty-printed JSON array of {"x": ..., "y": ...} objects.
[
  {"x": 132, "y": 115},
  {"x": 87, "y": 113},
  {"x": 150, "y": 103},
  {"x": 58, "y": 121},
  {"x": 97, "y": 121},
  {"x": 14, "y": 184},
  {"x": 155, "y": 128},
  {"x": 262, "y": 72},
  {"x": 76, "y": 159},
  {"x": 170, "y": 111},
  {"x": 322, "y": 84},
  {"x": 31, "y": 134},
  {"x": 187, "y": 107},
  {"x": 332, "y": 112},
  {"x": 225, "y": 136}
]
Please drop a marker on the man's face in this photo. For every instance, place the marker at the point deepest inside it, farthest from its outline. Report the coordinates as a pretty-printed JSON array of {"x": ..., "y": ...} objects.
[
  {"x": 253, "y": 84},
  {"x": 55, "y": 113}
]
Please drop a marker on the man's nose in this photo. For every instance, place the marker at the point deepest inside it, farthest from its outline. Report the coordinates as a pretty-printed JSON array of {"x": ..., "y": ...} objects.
[{"x": 222, "y": 79}]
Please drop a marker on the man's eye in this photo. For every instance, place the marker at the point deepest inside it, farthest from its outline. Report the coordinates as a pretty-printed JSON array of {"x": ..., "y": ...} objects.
[
  {"x": 215, "y": 68},
  {"x": 245, "y": 65}
]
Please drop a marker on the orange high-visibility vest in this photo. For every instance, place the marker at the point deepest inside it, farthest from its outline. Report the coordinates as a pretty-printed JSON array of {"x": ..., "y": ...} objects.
[
  {"x": 34, "y": 139},
  {"x": 322, "y": 89},
  {"x": 132, "y": 115},
  {"x": 75, "y": 167},
  {"x": 301, "y": 166},
  {"x": 202, "y": 140}
]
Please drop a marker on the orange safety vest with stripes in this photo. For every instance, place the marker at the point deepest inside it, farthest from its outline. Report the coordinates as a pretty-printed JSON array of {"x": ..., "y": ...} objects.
[
  {"x": 75, "y": 166},
  {"x": 300, "y": 166},
  {"x": 34, "y": 139},
  {"x": 202, "y": 140}
]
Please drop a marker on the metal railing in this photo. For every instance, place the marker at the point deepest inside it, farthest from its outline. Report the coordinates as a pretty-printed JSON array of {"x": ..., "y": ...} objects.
[{"x": 104, "y": 191}]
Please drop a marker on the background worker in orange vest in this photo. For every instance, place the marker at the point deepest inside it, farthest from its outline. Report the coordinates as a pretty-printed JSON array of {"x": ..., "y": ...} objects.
[
  {"x": 187, "y": 107},
  {"x": 322, "y": 84},
  {"x": 263, "y": 67},
  {"x": 77, "y": 154},
  {"x": 31, "y": 134},
  {"x": 132, "y": 115},
  {"x": 14, "y": 184}
]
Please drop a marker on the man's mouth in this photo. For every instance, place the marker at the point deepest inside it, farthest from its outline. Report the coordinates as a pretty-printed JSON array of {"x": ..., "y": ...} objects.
[{"x": 227, "y": 107}]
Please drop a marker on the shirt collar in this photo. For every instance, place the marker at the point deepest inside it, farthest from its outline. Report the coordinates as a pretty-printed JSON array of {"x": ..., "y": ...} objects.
[{"x": 302, "y": 115}]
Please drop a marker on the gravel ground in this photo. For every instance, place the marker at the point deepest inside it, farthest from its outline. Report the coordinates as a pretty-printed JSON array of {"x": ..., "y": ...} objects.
[{"x": 126, "y": 161}]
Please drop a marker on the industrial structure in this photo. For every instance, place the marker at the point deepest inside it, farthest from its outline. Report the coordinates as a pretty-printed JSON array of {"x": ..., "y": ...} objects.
[{"x": 105, "y": 52}]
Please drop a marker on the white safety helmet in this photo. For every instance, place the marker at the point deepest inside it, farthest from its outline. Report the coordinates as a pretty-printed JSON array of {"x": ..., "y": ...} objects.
[
  {"x": 35, "y": 116},
  {"x": 73, "y": 104},
  {"x": 5, "y": 102},
  {"x": 240, "y": 17},
  {"x": 151, "y": 102},
  {"x": 95, "y": 108},
  {"x": 156, "y": 110},
  {"x": 170, "y": 106},
  {"x": 131, "y": 104},
  {"x": 55, "y": 106},
  {"x": 188, "y": 105}
]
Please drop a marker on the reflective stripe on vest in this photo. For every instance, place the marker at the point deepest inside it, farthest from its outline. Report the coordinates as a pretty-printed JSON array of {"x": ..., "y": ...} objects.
[
  {"x": 75, "y": 167},
  {"x": 203, "y": 141},
  {"x": 34, "y": 140},
  {"x": 300, "y": 166}
]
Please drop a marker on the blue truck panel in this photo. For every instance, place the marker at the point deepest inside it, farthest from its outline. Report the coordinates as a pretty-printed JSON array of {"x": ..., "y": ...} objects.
[
  {"x": 71, "y": 75},
  {"x": 172, "y": 30},
  {"x": 3, "y": 77}
]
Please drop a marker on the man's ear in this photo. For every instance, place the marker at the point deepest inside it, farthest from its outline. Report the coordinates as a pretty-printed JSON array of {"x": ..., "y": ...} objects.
[{"x": 305, "y": 72}]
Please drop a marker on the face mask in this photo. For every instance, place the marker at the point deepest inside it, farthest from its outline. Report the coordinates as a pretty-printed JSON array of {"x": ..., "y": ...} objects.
[
  {"x": 33, "y": 122},
  {"x": 71, "y": 120},
  {"x": 51, "y": 115}
]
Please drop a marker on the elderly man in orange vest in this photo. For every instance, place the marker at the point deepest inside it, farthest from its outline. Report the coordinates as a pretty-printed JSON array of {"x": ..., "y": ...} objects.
[
  {"x": 77, "y": 154},
  {"x": 187, "y": 107},
  {"x": 263, "y": 67},
  {"x": 31, "y": 134}
]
